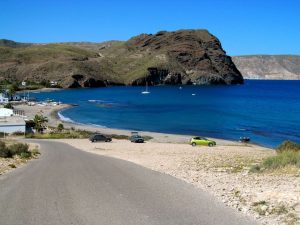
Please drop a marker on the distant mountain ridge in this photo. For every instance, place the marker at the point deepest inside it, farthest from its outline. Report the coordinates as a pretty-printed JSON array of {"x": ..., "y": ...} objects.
[
  {"x": 13, "y": 44},
  {"x": 269, "y": 67},
  {"x": 179, "y": 57}
]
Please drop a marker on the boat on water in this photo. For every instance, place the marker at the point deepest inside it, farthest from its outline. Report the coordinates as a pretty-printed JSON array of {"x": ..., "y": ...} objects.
[{"x": 146, "y": 91}]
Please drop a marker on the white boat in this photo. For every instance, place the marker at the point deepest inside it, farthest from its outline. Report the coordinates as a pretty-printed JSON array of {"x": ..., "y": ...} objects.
[{"x": 146, "y": 91}]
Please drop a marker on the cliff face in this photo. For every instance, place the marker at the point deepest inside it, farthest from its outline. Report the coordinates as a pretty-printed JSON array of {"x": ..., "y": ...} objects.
[
  {"x": 269, "y": 67},
  {"x": 187, "y": 56},
  {"x": 180, "y": 57}
]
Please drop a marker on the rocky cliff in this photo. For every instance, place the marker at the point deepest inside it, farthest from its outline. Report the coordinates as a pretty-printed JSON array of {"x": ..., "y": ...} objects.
[
  {"x": 180, "y": 57},
  {"x": 269, "y": 67}
]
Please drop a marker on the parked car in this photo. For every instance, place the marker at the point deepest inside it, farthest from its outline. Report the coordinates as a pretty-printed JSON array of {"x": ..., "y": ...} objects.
[
  {"x": 202, "y": 141},
  {"x": 244, "y": 139},
  {"x": 99, "y": 137},
  {"x": 136, "y": 138}
]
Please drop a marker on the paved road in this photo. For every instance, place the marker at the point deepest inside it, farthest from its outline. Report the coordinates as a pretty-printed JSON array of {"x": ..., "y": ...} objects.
[{"x": 68, "y": 186}]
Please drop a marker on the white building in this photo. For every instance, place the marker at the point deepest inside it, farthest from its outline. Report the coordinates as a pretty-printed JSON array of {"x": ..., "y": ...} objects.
[
  {"x": 9, "y": 123},
  {"x": 6, "y": 112}
]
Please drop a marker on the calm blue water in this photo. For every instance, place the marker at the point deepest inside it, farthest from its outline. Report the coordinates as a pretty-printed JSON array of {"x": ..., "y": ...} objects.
[{"x": 266, "y": 111}]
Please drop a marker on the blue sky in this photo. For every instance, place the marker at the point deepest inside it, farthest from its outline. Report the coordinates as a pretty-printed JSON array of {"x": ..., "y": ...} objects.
[{"x": 243, "y": 27}]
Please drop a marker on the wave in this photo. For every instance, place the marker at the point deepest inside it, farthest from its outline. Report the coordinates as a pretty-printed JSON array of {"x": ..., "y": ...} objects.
[
  {"x": 95, "y": 100},
  {"x": 63, "y": 118},
  {"x": 242, "y": 129},
  {"x": 95, "y": 125}
]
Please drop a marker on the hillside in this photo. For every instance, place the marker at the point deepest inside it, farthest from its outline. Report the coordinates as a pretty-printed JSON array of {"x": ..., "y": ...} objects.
[
  {"x": 180, "y": 57},
  {"x": 275, "y": 67}
]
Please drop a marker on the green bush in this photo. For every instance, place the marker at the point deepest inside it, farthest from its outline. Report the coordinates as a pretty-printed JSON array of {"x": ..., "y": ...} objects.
[
  {"x": 18, "y": 148},
  {"x": 4, "y": 151},
  {"x": 25, "y": 155},
  {"x": 288, "y": 146},
  {"x": 60, "y": 127},
  {"x": 67, "y": 133}
]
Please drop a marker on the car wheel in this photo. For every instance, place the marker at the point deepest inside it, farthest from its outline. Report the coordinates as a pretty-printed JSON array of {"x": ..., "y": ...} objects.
[
  {"x": 210, "y": 144},
  {"x": 194, "y": 144}
]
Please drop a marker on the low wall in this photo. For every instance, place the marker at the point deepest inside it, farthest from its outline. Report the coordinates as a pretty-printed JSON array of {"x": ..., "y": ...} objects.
[{"x": 11, "y": 128}]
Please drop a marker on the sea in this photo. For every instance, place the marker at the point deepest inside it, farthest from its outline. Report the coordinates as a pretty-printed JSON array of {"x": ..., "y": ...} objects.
[{"x": 266, "y": 111}]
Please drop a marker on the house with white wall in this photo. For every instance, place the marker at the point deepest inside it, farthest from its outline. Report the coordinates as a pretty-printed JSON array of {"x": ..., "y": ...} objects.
[{"x": 11, "y": 123}]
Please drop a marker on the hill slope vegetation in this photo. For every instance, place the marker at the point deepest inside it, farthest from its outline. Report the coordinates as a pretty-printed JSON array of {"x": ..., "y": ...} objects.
[{"x": 179, "y": 57}]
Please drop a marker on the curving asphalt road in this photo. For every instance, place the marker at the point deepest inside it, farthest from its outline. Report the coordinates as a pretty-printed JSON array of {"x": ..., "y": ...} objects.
[{"x": 67, "y": 186}]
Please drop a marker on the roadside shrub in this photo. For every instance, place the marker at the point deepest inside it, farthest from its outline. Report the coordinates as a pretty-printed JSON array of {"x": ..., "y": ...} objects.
[
  {"x": 4, "y": 151},
  {"x": 61, "y": 135},
  {"x": 30, "y": 135},
  {"x": 288, "y": 146},
  {"x": 2, "y": 134},
  {"x": 18, "y": 148},
  {"x": 18, "y": 133},
  {"x": 25, "y": 155},
  {"x": 2, "y": 145},
  {"x": 288, "y": 154},
  {"x": 282, "y": 159},
  {"x": 60, "y": 127}
]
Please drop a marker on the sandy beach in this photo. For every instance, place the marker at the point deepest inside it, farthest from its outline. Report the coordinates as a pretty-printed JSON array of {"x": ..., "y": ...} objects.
[
  {"x": 51, "y": 112},
  {"x": 271, "y": 198}
]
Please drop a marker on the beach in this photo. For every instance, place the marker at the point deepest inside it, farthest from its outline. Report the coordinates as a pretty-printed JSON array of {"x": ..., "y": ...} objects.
[{"x": 223, "y": 170}]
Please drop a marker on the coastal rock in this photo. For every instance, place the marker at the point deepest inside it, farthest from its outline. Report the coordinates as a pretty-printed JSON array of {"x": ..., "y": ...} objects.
[
  {"x": 192, "y": 56},
  {"x": 158, "y": 76},
  {"x": 166, "y": 58}
]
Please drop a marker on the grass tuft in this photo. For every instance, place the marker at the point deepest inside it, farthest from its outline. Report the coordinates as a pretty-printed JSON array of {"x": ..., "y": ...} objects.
[
  {"x": 288, "y": 155},
  {"x": 281, "y": 160}
]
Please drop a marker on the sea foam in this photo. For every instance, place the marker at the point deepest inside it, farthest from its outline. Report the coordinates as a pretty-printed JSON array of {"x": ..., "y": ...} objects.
[{"x": 63, "y": 118}]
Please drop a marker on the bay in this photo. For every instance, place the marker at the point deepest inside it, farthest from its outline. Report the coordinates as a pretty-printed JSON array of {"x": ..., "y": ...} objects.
[{"x": 266, "y": 111}]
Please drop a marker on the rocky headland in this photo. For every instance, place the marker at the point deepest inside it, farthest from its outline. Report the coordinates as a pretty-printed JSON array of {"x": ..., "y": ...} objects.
[{"x": 171, "y": 58}]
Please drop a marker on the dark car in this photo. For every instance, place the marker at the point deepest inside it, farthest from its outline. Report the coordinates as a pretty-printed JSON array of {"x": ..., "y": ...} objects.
[
  {"x": 99, "y": 137},
  {"x": 244, "y": 139},
  {"x": 136, "y": 138}
]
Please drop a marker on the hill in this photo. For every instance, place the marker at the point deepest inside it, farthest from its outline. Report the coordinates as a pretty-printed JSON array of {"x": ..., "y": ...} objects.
[
  {"x": 180, "y": 57},
  {"x": 275, "y": 67}
]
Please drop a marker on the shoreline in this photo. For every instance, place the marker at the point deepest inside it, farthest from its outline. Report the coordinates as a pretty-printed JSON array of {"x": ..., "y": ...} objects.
[
  {"x": 157, "y": 136},
  {"x": 52, "y": 113}
]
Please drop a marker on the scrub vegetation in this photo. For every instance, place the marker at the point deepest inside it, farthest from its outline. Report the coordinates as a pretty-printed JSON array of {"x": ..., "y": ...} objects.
[
  {"x": 16, "y": 149},
  {"x": 287, "y": 159}
]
